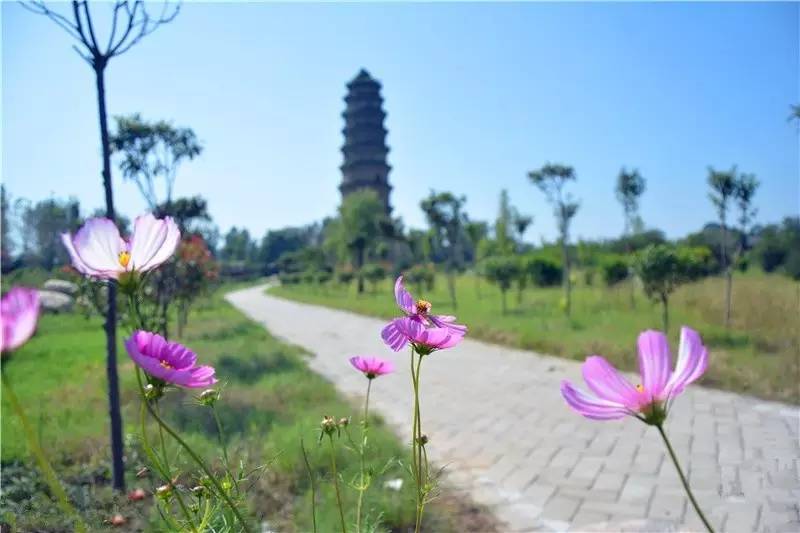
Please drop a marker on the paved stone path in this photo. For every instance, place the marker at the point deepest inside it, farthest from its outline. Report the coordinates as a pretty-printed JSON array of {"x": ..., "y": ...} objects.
[{"x": 498, "y": 423}]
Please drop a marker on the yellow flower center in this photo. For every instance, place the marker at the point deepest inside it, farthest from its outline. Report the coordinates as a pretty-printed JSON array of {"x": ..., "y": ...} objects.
[
  {"x": 423, "y": 307},
  {"x": 639, "y": 388},
  {"x": 124, "y": 258},
  {"x": 166, "y": 365}
]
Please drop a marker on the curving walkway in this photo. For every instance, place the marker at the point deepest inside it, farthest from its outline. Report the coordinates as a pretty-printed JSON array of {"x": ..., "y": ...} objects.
[{"x": 498, "y": 423}]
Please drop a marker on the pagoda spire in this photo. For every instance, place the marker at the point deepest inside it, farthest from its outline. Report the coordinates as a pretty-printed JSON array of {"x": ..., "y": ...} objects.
[{"x": 364, "y": 148}]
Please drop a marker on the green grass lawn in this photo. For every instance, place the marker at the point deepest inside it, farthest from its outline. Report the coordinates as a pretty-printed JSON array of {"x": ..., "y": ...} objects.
[
  {"x": 757, "y": 356},
  {"x": 270, "y": 401}
]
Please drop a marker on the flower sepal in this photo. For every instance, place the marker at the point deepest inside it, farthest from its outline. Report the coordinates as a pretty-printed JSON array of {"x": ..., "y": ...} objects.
[
  {"x": 130, "y": 282},
  {"x": 654, "y": 414},
  {"x": 154, "y": 388}
]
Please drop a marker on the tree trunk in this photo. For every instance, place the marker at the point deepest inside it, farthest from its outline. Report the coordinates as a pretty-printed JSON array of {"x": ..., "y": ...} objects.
[
  {"x": 728, "y": 274},
  {"x": 728, "y": 296},
  {"x": 567, "y": 280},
  {"x": 117, "y": 449},
  {"x": 451, "y": 287},
  {"x": 503, "y": 299},
  {"x": 665, "y": 313},
  {"x": 359, "y": 273},
  {"x": 631, "y": 278}
]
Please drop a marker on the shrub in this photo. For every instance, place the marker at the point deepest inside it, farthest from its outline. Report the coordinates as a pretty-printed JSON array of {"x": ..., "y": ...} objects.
[
  {"x": 545, "y": 272},
  {"x": 373, "y": 273},
  {"x": 345, "y": 276},
  {"x": 287, "y": 278},
  {"x": 420, "y": 275},
  {"x": 696, "y": 262},
  {"x": 502, "y": 270},
  {"x": 615, "y": 269}
]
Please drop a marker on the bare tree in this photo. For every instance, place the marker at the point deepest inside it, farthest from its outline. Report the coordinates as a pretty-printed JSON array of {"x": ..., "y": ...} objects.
[{"x": 130, "y": 23}]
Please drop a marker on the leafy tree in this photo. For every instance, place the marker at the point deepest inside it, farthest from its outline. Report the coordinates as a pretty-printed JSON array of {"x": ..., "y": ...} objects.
[
  {"x": 5, "y": 243},
  {"x": 521, "y": 223},
  {"x": 190, "y": 214},
  {"x": 775, "y": 244},
  {"x": 477, "y": 233},
  {"x": 503, "y": 226},
  {"x": 47, "y": 220},
  {"x": 447, "y": 221},
  {"x": 630, "y": 186},
  {"x": 362, "y": 223},
  {"x": 501, "y": 270},
  {"x": 551, "y": 180},
  {"x": 130, "y": 23},
  {"x": 660, "y": 269},
  {"x": 238, "y": 245},
  {"x": 151, "y": 151},
  {"x": 275, "y": 243},
  {"x": 420, "y": 245}
]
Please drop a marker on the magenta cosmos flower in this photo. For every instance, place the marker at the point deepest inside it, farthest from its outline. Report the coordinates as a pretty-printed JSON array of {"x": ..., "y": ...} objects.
[
  {"x": 372, "y": 366},
  {"x": 97, "y": 249},
  {"x": 418, "y": 326},
  {"x": 19, "y": 311},
  {"x": 648, "y": 401},
  {"x": 170, "y": 362},
  {"x": 419, "y": 310},
  {"x": 425, "y": 340}
]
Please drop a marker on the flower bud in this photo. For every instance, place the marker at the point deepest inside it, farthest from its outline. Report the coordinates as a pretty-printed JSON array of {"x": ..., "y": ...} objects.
[
  {"x": 423, "y": 440},
  {"x": 209, "y": 397},
  {"x": 343, "y": 422},
  {"x": 137, "y": 495},
  {"x": 199, "y": 490},
  {"x": 153, "y": 392},
  {"x": 328, "y": 425},
  {"x": 117, "y": 520},
  {"x": 142, "y": 472},
  {"x": 164, "y": 491}
]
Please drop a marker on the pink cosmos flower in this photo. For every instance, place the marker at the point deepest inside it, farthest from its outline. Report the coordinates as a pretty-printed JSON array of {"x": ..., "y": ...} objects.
[
  {"x": 170, "y": 362},
  {"x": 19, "y": 311},
  {"x": 98, "y": 250},
  {"x": 419, "y": 310},
  {"x": 649, "y": 401},
  {"x": 372, "y": 366},
  {"x": 401, "y": 331},
  {"x": 438, "y": 331}
]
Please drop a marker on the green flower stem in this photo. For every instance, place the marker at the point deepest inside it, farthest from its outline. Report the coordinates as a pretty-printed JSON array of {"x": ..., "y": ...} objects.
[
  {"x": 361, "y": 452},
  {"x": 683, "y": 479},
  {"x": 194, "y": 457},
  {"x": 178, "y": 496},
  {"x": 313, "y": 486},
  {"x": 224, "y": 446},
  {"x": 163, "y": 470},
  {"x": 336, "y": 484},
  {"x": 41, "y": 460},
  {"x": 417, "y": 448}
]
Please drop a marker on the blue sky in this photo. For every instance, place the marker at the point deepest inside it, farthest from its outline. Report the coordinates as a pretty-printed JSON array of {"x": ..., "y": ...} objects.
[{"x": 476, "y": 95}]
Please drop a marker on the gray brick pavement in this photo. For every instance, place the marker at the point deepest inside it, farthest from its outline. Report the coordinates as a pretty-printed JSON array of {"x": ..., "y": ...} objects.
[{"x": 498, "y": 423}]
